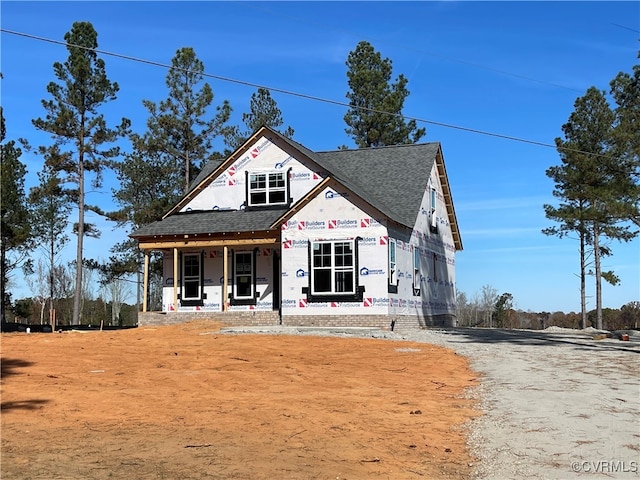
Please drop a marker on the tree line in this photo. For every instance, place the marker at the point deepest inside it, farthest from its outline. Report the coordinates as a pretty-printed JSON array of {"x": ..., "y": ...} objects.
[
  {"x": 160, "y": 166},
  {"x": 488, "y": 309}
]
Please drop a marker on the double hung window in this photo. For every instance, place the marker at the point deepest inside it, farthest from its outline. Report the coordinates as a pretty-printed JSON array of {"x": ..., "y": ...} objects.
[
  {"x": 267, "y": 188},
  {"x": 333, "y": 271},
  {"x": 333, "y": 267}
]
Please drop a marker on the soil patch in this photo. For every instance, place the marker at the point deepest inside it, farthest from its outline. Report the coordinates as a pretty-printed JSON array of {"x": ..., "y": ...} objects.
[{"x": 187, "y": 402}]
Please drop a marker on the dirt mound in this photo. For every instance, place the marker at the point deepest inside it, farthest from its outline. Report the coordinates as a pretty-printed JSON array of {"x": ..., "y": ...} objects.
[{"x": 189, "y": 402}]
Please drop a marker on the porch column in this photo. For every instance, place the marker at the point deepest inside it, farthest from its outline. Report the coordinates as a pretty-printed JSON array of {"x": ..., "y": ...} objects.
[
  {"x": 225, "y": 271},
  {"x": 175, "y": 279},
  {"x": 145, "y": 281}
]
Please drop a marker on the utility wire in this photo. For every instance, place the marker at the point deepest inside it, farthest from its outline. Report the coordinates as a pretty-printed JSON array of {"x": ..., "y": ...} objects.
[
  {"x": 307, "y": 96},
  {"x": 426, "y": 52}
]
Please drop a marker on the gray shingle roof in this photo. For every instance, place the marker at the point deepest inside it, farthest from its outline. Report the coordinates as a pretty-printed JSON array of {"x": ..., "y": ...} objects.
[
  {"x": 209, "y": 167},
  {"x": 392, "y": 179},
  {"x": 204, "y": 222}
]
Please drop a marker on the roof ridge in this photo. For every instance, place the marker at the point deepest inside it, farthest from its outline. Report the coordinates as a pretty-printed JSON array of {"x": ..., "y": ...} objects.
[{"x": 338, "y": 150}]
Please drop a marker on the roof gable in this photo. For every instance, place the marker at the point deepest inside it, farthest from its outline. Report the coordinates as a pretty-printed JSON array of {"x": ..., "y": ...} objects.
[{"x": 391, "y": 179}]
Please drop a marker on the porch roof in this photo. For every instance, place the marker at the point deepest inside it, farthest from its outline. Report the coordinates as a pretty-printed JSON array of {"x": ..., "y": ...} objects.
[{"x": 211, "y": 222}]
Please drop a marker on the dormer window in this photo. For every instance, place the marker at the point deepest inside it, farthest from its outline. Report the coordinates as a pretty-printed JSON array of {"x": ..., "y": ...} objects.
[{"x": 267, "y": 188}]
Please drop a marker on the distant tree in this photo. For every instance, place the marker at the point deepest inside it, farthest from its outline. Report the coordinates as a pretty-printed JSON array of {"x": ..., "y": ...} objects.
[
  {"x": 73, "y": 119},
  {"x": 24, "y": 309},
  {"x": 572, "y": 320},
  {"x": 64, "y": 288},
  {"x": 543, "y": 317},
  {"x": 593, "y": 183},
  {"x": 39, "y": 287},
  {"x": 116, "y": 292},
  {"x": 488, "y": 299},
  {"x": 374, "y": 118},
  {"x": 557, "y": 319},
  {"x": 609, "y": 318},
  {"x": 630, "y": 315},
  {"x": 50, "y": 211},
  {"x": 502, "y": 309},
  {"x": 469, "y": 311},
  {"x": 463, "y": 311},
  {"x": 263, "y": 110},
  {"x": 178, "y": 128},
  {"x": 15, "y": 230}
]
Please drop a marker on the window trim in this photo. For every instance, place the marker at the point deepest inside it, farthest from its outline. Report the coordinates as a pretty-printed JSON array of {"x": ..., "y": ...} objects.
[
  {"x": 287, "y": 189},
  {"x": 356, "y": 295},
  {"x": 252, "y": 298}
]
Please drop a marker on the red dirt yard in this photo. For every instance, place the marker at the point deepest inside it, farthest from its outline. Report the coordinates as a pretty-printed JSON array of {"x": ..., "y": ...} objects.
[{"x": 189, "y": 402}]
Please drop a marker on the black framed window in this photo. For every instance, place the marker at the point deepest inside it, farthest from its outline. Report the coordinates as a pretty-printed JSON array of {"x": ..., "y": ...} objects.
[
  {"x": 393, "y": 278},
  {"x": 192, "y": 279},
  {"x": 416, "y": 270},
  {"x": 244, "y": 278},
  {"x": 333, "y": 267},
  {"x": 267, "y": 188}
]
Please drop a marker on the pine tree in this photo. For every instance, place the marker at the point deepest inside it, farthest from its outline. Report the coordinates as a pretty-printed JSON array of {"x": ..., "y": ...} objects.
[
  {"x": 15, "y": 230},
  {"x": 625, "y": 90},
  {"x": 50, "y": 211},
  {"x": 263, "y": 110},
  {"x": 374, "y": 118},
  {"x": 593, "y": 184},
  {"x": 149, "y": 186},
  {"x": 178, "y": 127},
  {"x": 73, "y": 119}
]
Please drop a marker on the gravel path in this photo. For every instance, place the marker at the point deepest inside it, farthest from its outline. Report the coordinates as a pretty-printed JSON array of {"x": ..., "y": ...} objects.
[{"x": 559, "y": 404}]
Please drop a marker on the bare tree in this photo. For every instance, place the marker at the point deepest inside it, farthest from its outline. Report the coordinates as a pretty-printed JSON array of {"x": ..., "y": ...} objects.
[
  {"x": 39, "y": 284},
  {"x": 488, "y": 299},
  {"x": 116, "y": 292}
]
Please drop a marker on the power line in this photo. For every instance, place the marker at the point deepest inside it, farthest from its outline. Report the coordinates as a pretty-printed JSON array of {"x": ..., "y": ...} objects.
[
  {"x": 306, "y": 96},
  {"x": 626, "y": 28},
  {"x": 433, "y": 54}
]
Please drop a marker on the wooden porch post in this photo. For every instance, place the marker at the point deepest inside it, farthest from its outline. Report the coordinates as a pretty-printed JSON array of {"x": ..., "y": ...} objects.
[
  {"x": 225, "y": 271},
  {"x": 175, "y": 279},
  {"x": 145, "y": 281}
]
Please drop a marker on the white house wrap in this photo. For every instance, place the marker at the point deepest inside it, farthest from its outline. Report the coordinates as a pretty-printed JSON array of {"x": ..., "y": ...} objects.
[{"x": 350, "y": 237}]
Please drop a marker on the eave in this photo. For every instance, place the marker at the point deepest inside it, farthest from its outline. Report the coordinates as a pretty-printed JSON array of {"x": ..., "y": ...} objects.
[{"x": 166, "y": 242}]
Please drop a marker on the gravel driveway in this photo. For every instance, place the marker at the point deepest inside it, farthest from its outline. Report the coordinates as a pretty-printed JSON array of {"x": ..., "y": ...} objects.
[{"x": 559, "y": 404}]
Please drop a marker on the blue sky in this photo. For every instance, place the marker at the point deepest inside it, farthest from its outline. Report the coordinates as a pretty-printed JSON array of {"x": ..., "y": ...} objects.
[{"x": 509, "y": 68}]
